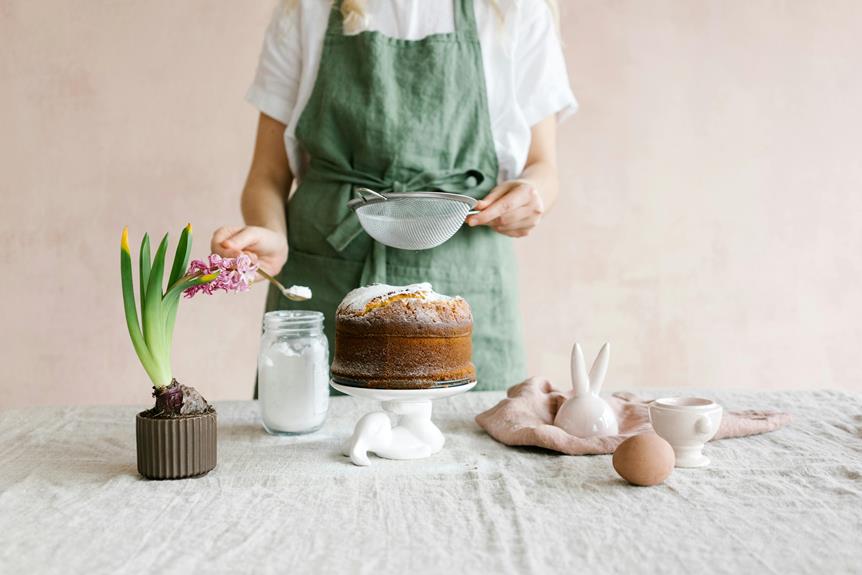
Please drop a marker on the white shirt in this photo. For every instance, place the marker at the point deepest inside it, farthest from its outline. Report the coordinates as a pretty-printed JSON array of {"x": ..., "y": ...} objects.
[{"x": 525, "y": 73}]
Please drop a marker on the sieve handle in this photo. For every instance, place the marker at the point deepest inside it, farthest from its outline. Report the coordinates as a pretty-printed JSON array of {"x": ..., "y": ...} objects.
[{"x": 362, "y": 191}]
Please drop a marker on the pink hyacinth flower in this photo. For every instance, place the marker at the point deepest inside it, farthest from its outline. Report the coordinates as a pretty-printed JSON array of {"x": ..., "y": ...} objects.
[{"x": 234, "y": 274}]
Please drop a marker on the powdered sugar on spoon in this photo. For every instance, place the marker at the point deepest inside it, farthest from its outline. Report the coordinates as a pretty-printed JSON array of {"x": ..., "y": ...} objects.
[{"x": 293, "y": 293}]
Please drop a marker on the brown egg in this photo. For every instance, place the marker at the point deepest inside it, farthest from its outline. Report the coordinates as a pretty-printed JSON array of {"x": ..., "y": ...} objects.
[{"x": 644, "y": 459}]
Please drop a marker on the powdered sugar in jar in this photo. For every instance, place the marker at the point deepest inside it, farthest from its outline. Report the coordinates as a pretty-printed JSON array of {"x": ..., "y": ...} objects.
[{"x": 293, "y": 372}]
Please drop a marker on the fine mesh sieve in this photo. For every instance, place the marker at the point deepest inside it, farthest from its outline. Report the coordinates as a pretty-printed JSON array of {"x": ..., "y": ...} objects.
[{"x": 411, "y": 220}]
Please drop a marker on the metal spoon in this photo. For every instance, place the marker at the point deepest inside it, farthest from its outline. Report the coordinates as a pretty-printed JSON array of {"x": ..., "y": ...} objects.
[{"x": 292, "y": 296}]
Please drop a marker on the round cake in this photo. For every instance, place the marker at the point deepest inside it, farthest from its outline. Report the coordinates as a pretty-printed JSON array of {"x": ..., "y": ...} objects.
[{"x": 402, "y": 337}]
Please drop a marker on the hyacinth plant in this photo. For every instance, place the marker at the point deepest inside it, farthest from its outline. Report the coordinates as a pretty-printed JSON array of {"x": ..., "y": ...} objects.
[{"x": 152, "y": 336}]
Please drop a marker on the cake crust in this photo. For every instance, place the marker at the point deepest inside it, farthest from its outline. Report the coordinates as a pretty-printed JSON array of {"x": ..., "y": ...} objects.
[{"x": 402, "y": 337}]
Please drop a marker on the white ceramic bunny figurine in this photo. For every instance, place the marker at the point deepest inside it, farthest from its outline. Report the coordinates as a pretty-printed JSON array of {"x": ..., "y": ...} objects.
[{"x": 585, "y": 414}]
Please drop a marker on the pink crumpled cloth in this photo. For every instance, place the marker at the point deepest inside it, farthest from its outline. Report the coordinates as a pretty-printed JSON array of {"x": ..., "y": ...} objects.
[{"x": 526, "y": 417}]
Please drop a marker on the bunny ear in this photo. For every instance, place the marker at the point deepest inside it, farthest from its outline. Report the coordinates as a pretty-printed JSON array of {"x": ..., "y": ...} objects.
[
  {"x": 600, "y": 368},
  {"x": 580, "y": 380}
]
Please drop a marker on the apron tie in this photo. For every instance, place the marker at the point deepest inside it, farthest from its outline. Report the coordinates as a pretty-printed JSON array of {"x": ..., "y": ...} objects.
[
  {"x": 374, "y": 269},
  {"x": 454, "y": 181},
  {"x": 349, "y": 228}
]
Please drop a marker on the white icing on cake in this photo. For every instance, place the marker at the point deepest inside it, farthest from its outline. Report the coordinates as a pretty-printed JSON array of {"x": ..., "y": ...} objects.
[{"x": 357, "y": 300}]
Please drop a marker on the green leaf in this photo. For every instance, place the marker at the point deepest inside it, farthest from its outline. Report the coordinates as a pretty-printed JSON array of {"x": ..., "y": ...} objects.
[
  {"x": 131, "y": 311},
  {"x": 144, "y": 267},
  {"x": 153, "y": 316},
  {"x": 181, "y": 257},
  {"x": 178, "y": 270}
]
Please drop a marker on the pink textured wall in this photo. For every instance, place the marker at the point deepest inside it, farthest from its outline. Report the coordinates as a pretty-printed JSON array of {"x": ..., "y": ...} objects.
[{"x": 709, "y": 224}]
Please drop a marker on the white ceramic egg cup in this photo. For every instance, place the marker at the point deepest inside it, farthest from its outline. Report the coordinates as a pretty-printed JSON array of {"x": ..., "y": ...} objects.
[
  {"x": 414, "y": 436},
  {"x": 687, "y": 423}
]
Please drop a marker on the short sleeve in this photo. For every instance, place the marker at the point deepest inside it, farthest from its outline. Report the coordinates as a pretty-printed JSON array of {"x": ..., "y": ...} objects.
[
  {"x": 276, "y": 83},
  {"x": 541, "y": 80}
]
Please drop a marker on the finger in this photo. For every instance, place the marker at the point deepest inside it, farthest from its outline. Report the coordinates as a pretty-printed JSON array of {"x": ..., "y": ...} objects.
[
  {"x": 513, "y": 217},
  {"x": 221, "y": 235},
  {"x": 494, "y": 195},
  {"x": 243, "y": 239},
  {"x": 527, "y": 215},
  {"x": 521, "y": 225},
  {"x": 498, "y": 192},
  {"x": 516, "y": 198}
]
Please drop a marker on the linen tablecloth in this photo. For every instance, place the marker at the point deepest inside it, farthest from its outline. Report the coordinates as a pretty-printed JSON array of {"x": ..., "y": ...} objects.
[{"x": 71, "y": 500}]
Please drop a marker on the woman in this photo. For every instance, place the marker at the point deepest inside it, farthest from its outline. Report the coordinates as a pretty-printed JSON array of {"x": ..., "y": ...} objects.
[{"x": 458, "y": 96}]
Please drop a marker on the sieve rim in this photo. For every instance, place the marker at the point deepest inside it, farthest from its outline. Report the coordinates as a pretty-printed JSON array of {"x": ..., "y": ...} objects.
[{"x": 363, "y": 201}]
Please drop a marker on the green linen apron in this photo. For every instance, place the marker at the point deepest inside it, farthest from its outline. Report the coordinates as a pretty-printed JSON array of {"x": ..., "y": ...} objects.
[{"x": 404, "y": 116}]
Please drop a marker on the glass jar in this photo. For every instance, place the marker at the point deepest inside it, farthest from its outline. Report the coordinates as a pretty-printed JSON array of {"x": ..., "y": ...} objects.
[{"x": 293, "y": 372}]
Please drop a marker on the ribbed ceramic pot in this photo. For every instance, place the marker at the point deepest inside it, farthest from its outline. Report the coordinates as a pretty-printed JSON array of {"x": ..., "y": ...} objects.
[{"x": 174, "y": 448}]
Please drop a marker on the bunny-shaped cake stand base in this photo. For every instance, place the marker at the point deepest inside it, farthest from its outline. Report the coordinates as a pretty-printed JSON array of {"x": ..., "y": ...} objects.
[
  {"x": 414, "y": 435},
  {"x": 585, "y": 413}
]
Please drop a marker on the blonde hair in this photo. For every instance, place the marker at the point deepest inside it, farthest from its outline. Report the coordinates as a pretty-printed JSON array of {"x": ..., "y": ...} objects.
[{"x": 356, "y": 18}]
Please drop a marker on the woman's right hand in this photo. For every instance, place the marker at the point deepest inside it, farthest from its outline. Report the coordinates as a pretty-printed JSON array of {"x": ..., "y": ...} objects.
[{"x": 267, "y": 246}]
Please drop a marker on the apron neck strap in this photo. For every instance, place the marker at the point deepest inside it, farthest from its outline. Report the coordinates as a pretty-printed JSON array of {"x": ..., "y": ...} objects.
[
  {"x": 335, "y": 24},
  {"x": 465, "y": 17}
]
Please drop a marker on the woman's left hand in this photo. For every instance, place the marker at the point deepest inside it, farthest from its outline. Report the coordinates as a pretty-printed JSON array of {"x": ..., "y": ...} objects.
[{"x": 513, "y": 209}]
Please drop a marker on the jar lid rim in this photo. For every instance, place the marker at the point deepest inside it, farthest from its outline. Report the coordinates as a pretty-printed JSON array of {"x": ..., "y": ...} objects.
[
  {"x": 292, "y": 318},
  {"x": 293, "y": 314}
]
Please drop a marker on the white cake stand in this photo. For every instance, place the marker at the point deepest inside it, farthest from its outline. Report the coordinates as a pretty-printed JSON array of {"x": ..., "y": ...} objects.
[{"x": 413, "y": 436}]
